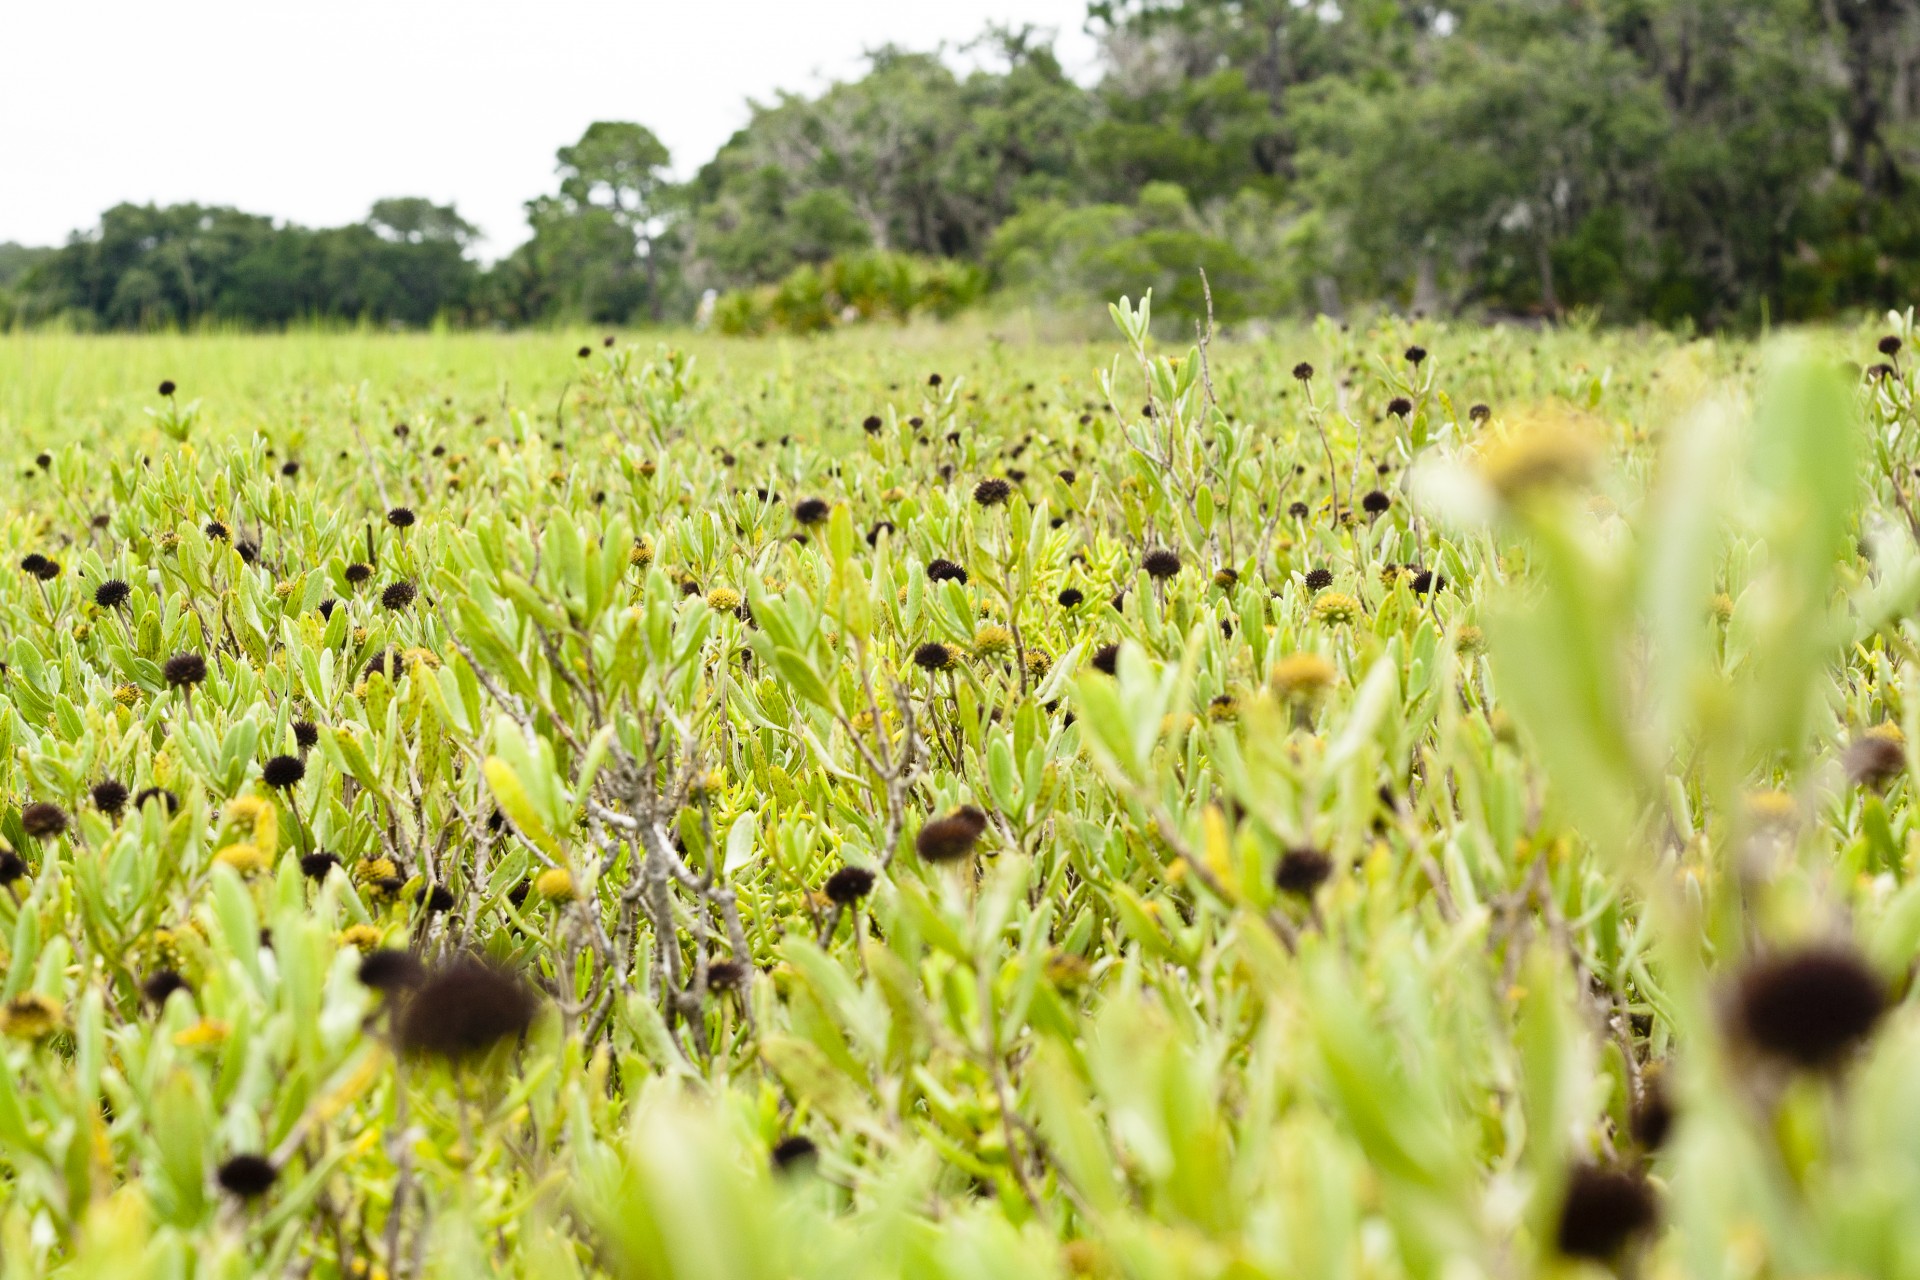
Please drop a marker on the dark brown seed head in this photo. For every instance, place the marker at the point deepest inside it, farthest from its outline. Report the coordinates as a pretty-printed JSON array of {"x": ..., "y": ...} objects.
[
  {"x": 389, "y": 969},
  {"x": 43, "y": 820},
  {"x": 1399, "y": 406},
  {"x": 282, "y": 772},
  {"x": 942, "y": 570},
  {"x": 811, "y": 511},
  {"x": 162, "y": 983},
  {"x": 992, "y": 492},
  {"x": 1070, "y": 597},
  {"x": 164, "y": 796},
  {"x": 848, "y": 885},
  {"x": 12, "y": 866},
  {"x": 111, "y": 594},
  {"x": 1375, "y": 502},
  {"x": 463, "y": 1008},
  {"x": 1302, "y": 871},
  {"x": 1874, "y": 760},
  {"x": 952, "y": 837},
  {"x": 306, "y": 734},
  {"x": 1603, "y": 1211},
  {"x": 1812, "y": 1007},
  {"x": 1889, "y": 345},
  {"x": 248, "y": 1176},
  {"x": 793, "y": 1154},
  {"x": 316, "y": 865},
  {"x": 358, "y": 573},
  {"x": 728, "y": 975},
  {"x": 401, "y": 518},
  {"x": 1652, "y": 1118},
  {"x": 183, "y": 670},
  {"x": 167, "y": 388},
  {"x": 1415, "y": 355},
  {"x": 110, "y": 797},
  {"x": 1319, "y": 579},
  {"x": 398, "y": 595},
  {"x": 1303, "y": 371},
  {"x": 933, "y": 656},
  {"x": 1106, "y": 659},
  {"x": 1161, "y": 563}
]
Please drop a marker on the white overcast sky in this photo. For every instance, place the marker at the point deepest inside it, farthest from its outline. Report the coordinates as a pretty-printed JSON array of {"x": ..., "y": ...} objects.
[{"x": 311, "y": 110}]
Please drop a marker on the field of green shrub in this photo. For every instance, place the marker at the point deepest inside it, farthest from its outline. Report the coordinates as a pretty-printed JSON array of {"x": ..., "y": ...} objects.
[{"x": 1388, "y": 801}]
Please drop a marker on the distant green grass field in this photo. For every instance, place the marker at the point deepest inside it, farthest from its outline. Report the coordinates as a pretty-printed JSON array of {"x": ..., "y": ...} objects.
[{"x": 1398, "y": 801}]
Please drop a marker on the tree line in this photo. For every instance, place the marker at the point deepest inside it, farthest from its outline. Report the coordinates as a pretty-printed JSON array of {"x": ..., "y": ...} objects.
[{"x": 1701, "y": 162}]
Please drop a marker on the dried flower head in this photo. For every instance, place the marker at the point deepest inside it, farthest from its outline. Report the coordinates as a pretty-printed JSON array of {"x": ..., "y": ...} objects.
[
  {"x": 1302, "y": 870},
  {"x": 1161, "y": 563},
  {"x": 401, "y": 518},
  {"x": 992, "y": 492},
  {"x": 247, "y": 1176},
  {"x": 941, "y": 570},
  {"x": 110, "y": 796},
  {"x": 1810, "y": 1007},
  {"x": 282, "y": 772},
  {"x": 161, "y": 984},
  {"x": 952, "y": 837},
  {"x": 398, "y": 595},
  {"x": 1106, "y": 659},
  {"x": 463, "y": 1008},
  {"x": 933, "y": 656},
  {"x": 1303, "y": 372},
  {"x": 111, "y": 594},
  {"x": 1875, "y": 759},
  {"x": 1603, "y": 1211},
  {"x": 1375, "y": 502},
  {"x": 389, "y": 969},
  {"x": 184, "y": 670},
  {"x": 1319, "y": 579},
  {"x": 306, "y": 734},
  {"x": 811, "y": 511},
  {"x": 848, "y": 885},
  {"x": 43, "y": 820},
  {"x": 1070, "y": 597},
  {"x": 794, "y": 1153},
  {"x": 317, "y": 865}
]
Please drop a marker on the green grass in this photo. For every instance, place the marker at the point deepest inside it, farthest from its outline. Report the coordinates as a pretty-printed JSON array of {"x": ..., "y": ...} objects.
[{"x": 1285, "y": 927}]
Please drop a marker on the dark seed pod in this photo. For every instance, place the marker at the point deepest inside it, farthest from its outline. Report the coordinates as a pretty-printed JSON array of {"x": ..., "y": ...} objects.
[
  {"x": 12, "y": 867},
  {"x": 1653, "y": 1115},
  {"x": 1319, "y": 579},
  {"x": 1161, "y": 563},
  {"x": 1415, "y": 355},
  {"x": 1603, "y": 1211},
  {"x": 167, "y": 388},
  {"x": 1302, "y": 871},
  {"x": 165, "y": 797},
  {"x": 1874, "y": 760},
  {"x": 1303, "y": 372},
  {"x": 811, "y": 511},
  {"x": 941, "y": 570},
  {"x": 282, "y": 772},
  {"x": 398, "y": 595},
  {"x": 848, "y": 885},
  {"x": 247, "y": 1177},
  {"x": 1299, "y": 510},
  {"x": 356, "y": 574},
  {"x": 43, "y": 820},
  {"x": 952, "y": 837},
  {"x": 1107, "y": 658},
  {"x": 1812, "y": 1007},
  {"x": 1399, "y": 406},
  {"x": 218, "y": 531},
  {"x": 306, "y": 735},
  {"x": 401, "y": 518},
  {"x": 316, "y": 865},
  {"x": 933, "y": 656},
  {"x": 389, "y": 970},
  {"x": 992, "y": 492},
  {"x": 110, "y": 797},
  {"x": 161, "y": 984},
  {"x": 794, "y": 1153},
  {"x": 1375, "y": 502},
  {"x": 1070, "y": 597},
  {"x": 728, "y": 975},
  {"x": 872, "y": 424},
  {"x": 1480, "y": 413},
  {"x": 184, "y": 670},
  {"x": 111, "y": 594},
  {"x": 463, "y": 1008},
  {"x": 1889, "y": 345}
]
